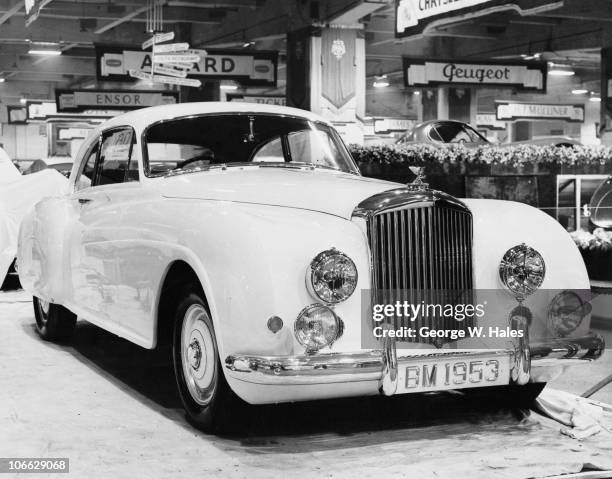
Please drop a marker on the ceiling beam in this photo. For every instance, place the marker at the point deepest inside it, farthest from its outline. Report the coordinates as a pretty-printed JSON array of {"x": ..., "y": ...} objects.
[
  {"x": 119, "y": 21},
  {"x": 275, "y": 16},
  {"x": 11, "y": 11}
]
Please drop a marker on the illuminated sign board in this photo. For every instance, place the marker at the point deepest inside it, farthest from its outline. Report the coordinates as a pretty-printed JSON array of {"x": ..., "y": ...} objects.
[
  {"x": 257, "y": 68},
  {"x": 79, "y": 100},
  {"x": 413, "y": 17},
  {"x": 511, "y": 111},
  {"x": 420, "y": 72}
]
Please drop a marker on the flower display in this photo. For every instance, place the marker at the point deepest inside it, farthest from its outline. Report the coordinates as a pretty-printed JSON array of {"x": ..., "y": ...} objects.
[
  {"x": 599, "y": 240},
  {"x": 424, "y": 154}
]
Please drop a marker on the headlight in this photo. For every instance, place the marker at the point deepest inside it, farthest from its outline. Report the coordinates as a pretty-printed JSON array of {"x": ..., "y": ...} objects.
[
  {"x": 522, "y": 270},
  {"x": 566, "y": 312},
  {"x": 332, "y": 276},
  {"x": 317, "y": 326}
]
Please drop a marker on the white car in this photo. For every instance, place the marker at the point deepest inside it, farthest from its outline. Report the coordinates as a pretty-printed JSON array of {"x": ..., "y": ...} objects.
[
  {"x": 17, "y": 195},
  {"x": 246, "y": 236}
]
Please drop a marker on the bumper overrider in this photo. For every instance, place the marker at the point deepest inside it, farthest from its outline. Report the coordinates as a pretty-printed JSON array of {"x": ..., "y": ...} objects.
[{"x": 535, "y": 362}]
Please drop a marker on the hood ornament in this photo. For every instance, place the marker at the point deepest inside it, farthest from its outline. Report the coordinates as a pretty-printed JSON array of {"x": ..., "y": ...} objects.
[{"x": 418, "y": 184}]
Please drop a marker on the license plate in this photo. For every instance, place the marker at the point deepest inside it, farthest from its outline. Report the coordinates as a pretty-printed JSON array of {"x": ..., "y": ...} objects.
[{"x": 457, "y": 373}]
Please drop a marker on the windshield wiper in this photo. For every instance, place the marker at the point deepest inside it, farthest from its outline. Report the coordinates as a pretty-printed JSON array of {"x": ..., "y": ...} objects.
[{"x": 182, "y": 171}]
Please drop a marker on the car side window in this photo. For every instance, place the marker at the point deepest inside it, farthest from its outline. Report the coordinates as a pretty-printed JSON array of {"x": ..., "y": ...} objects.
[
  {"x": 86, "y": 175},
  {"x": 115, "y": 158},
  {"x": 434, "y": 135}
]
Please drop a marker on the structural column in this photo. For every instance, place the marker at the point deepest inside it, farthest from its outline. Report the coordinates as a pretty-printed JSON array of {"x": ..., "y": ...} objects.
[{"x": 326, "y": 75}]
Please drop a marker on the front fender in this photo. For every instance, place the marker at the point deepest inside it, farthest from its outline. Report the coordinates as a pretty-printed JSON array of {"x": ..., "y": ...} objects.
[
  {"x": 256, "y": 257},
  {"x": 500, "y": 225}
]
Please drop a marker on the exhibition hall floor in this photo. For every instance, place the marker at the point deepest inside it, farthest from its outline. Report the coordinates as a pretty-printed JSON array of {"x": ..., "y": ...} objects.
[{"x": 110, "y": 407}]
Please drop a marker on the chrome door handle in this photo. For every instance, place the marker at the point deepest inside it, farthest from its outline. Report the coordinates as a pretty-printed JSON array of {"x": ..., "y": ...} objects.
[{"x": 84, "y": 201}]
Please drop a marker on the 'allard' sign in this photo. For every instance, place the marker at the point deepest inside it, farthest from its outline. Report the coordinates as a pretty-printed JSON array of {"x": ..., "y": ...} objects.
[
  {"x": 419, "y": 72},
  {"x": 510, "y": 111},
  {"x": 413, "y": 17},
  {"x": 253, "y": 68}
]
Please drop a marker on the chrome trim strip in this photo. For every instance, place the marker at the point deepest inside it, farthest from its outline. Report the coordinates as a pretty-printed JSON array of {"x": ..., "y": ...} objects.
[
  {"x": 379, "y": 365},
  {"x": 403, "y": 198}
]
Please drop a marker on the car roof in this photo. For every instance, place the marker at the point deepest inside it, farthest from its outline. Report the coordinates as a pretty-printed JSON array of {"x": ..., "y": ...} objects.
[
  {"x": 147, "y": 116},
  {"x": 431, "y": 122}
]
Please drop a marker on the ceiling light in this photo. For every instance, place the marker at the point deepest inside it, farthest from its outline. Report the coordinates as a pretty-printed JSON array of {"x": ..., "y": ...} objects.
[
  {"x": 35, "y": 51},
  {"x": 23, "y": 100},
  {"x": 248, "y": 44},
  {"x": 560, "y": 70},
  {"x": 380, "y": 81},
  {"x": 535, "y": 56},
  {"x": 229, "y": 86},
  {"x": 580, "y": 91},
  {"x": 595, "y": 99},
  {"x": 2, "y": 80}
]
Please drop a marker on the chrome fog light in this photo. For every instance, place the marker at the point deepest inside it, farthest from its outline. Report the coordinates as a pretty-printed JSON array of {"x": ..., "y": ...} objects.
[
  {"x": 317, "y": 326},
  {"x": 522, "y": 270},
  {"x": 331, "y": 276},
  {"x": 566, "y": 312}
]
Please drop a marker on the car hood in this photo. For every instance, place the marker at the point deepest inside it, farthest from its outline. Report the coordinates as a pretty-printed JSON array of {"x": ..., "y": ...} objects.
[{"x": 320, "y": 190}]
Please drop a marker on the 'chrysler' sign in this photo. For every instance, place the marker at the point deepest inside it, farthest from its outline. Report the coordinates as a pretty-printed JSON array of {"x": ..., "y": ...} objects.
[
  {"x": 78, "y": 100},
  {"x": 520, "y": 75},
  {"x": 509, "y": 111},
  {"x": 413, "y": 17}
]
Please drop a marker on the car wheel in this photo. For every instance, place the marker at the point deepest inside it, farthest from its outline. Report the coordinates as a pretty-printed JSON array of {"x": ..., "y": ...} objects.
[
  {"x": 53, "y": 322},
  {"x": 207, "y": 398}
]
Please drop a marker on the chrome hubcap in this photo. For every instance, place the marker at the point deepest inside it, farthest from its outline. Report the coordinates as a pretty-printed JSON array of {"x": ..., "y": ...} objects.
[
  {"x": 198, "y": 354},
  {"x": 195, "y": 354}
]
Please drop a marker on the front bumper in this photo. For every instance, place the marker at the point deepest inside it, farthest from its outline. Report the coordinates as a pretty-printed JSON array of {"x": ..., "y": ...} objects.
[{"x": 538, "y": 362}]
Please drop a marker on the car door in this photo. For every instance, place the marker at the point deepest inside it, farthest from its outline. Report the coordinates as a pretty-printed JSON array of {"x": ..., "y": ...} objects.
[{"x": 96, "y": 236}]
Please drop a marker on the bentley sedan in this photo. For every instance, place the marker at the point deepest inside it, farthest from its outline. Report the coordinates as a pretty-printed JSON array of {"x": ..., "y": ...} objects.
[{"x": 245, "y": 236}]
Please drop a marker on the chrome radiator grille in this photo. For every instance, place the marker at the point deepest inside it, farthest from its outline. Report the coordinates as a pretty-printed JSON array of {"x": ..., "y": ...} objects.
[{"x": 426, "y": 250}]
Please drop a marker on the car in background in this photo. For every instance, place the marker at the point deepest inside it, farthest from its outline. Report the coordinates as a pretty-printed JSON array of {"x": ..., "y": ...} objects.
[
  {"x": 19, "y": 193},
  {"x": 62, "y": 164},
  {"x": 452, "y": 131}
]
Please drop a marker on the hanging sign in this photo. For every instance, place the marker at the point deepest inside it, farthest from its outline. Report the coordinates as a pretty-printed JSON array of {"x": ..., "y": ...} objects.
[
  {"x": 261, "y": 99},
  {"x": 158, "y": 38},
  {"x": 489, "y": 121},
  {"x": 171, "y": 71},
  {"x": 414, "y": 17},
  {"x": 170, "y": 47},
  {"x": 165, "y": 79},
  {"x": 32, "y": 9},
  {"x": 388, "y": 125},
  {"x": 419, "y": 72},
  {"x": 255, "y": 68},
  {"x": 39, "y": 110},
  {"x": 510, "y": 111},
  {"x": 177, "y": 58},
  {"x": 79, "y": 100}
]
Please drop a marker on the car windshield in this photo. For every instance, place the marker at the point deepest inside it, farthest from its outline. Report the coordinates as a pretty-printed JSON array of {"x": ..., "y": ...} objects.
[
  {"x": 204, "y": 142},
  {"x": 456, "y": 133}
]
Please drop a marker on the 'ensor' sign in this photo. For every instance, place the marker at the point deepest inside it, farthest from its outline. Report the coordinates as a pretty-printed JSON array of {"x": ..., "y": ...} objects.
[
  {"x": 79, "y": 100},
  {"x": 419, "y": 72},
  {"x": 413, "y": 17}
]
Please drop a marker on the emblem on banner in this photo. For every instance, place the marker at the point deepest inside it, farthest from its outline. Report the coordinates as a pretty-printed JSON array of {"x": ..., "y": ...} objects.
[{"x": 338, "y": 49}]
